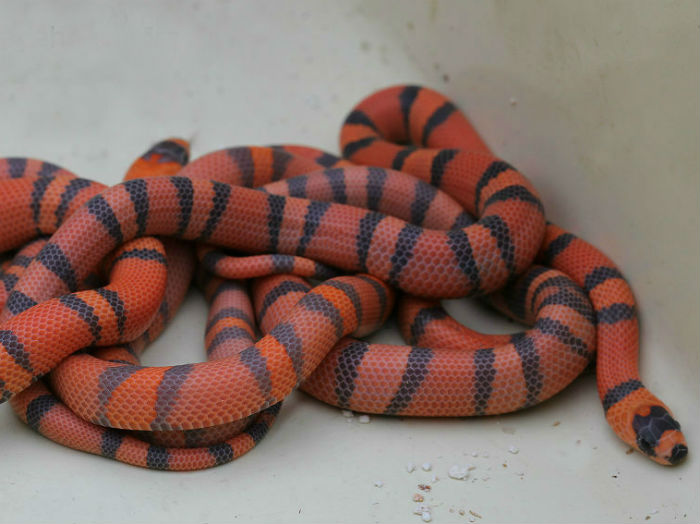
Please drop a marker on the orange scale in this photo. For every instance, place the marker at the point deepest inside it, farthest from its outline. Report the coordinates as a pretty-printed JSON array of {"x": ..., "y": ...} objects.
[
  {"x": 508, "y": 389},
  {"x": 279, "y": 366},
  {"x": 447, "y": 389},
  {"x": 457, "y": 132},
  {"x": 613, "y": 291},
  {"x": 329, "y": 243},
  {"x": 225, "y": 323},
  {"x": 375, "y": 390},
  {"x": 378, "y": 259},
  {"x": 119, "y": 410},
  {"x": 423, "y": 107}
]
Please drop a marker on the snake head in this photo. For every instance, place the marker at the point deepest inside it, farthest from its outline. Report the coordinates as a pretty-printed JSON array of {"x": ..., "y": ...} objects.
[{"x": 659, "y": 435}]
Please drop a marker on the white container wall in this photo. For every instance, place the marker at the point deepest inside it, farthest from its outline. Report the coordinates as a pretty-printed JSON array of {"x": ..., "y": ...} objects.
[{"x": 598, "y": 103}]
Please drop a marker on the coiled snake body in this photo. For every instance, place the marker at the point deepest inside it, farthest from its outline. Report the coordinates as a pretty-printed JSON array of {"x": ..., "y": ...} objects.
[{"x": 464, "y": 223}]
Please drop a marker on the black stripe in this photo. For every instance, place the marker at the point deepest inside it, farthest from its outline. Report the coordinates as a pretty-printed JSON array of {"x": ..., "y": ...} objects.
[
  {"x": 336, "y": 179},
  {"x": 555, "y": 247},
  {"x": 211, "y": 258},
  {"x": 530, "y": 361},
  {"x": 616, "y": 313},
  {"x": 117, "y": 305},
  {"x": 600, "y": 275},
  {"x": 257, "y": 431},
  {"x": 617, "y": 393},
  {"x": 459, "y": 243},
  {"x": 69, "y": 192},
  {"x": 320, "y": 304},
  {"x": 413, "y": 376},
  {"x": 423, "y": 196},
  {"x": 491, "y": 172},
  {"x": 138, "y": 192},
  {"x": 22, "y": 260},
  {"x": 170, "y": 151},
  {"x": 363, "y": 240},
  {"x": 229, "y": 312},
  {"x": 353, "y": 147},
  {"x": 424, "y": 317},
  {"x": 401, "y": 157},
  {"x": 297, "y": 186},
  {"x": 142, "y": 254},
  {"x": 440, "y": 161},
  {"x": 185, "y": 196},
  {"x": 243, "y": 157},
  {"x": 517, "y": 294},
  {"x": 499, "y": 230},
  {"x": 573, "y": 299},
  {"x": 256, "y": 362},
  {"x": 559, "y": 281},
  {"x": 18, "y": 302},
  {"x": 346, "y": 372},
  {"x": 285, "y": 334},
  {"x": 85, "y": 311},
  {"x": 38, "y": 189},
  {"x": 109, "y": 380},
  {"x": 376, "y": 178},
  {"x": 48, "y": 169},
  {"x": 37, "y": 408},
  {"x": 406, "y": 99},
  {"x": 312, "y": 219},
  {"x": 9, "y": 281},
  {"x": 222, "y": 453},
  {"x": 358, "y": 117},
  {"x": 55, "y": 260},
  {"x": 222, "y": 192},
  {"x": 327, "y": 160},
  {"x": 275, "y": 215},
  {"x": 16, "y": 167},
  {"x": 111, "y": 441},
  {"x": 441, "y": 114},
  {"x": 280, "y": 159},
  {"x": 352, "y": 294},
  {"x": 403, "y": 251},
  {"x": 515, "y": 192},
  {"x": 555, "y": 328},
  {"x": 167, "y": 394},
  {"x": 463, "y": 220},
  {"x": 288, "y": 286},
  {"x": 229, "y": 333},
  {"x": 484, "y": 375},
  {"x": 282, "y": 263},
  {"x": 104, "y": 214},
  {"x": 157, "y": 457}
]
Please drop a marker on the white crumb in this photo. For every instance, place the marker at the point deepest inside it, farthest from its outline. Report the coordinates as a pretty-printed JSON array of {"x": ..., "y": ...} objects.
[
  {"x": 458, "y": 472},
  {"x": 363, "y": 419},
  {"x": 475, "y": 454},
  {"x": 410, "y": 467},
  {"x": 427, "y": 466},
  {"x": 347, "y": 413},
  {"x": 513, "y": 100},
  {"x": 378, "y": 483},
  {"x": 426, "y": 516},
  {"x": 513, "y": 450}
]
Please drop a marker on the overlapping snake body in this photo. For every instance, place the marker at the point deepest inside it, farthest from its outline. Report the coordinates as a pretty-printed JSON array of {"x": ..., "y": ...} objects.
[{"x": 304, "y": 214}]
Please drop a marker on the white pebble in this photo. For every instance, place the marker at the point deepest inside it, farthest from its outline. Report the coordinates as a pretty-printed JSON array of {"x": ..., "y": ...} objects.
[
  {"x": 513, "y": 101},
  {"x": 458, "y": 472},
  {"x": 421, "y": 508},
  {"x": 410, "y": 467},
  {"x": 378, "y": 483},
  {"x": 427, "y": 466},
  {"x": 471, "y": 467},
  {"x": 472, "y": 519},
  {"x": 363, "y": 419},
  {"x": 426, "y": 516},
  {"x": 475, "y": 454},
  {"x": 348, "y": 414},
  {"x": 653, "y": 511},
  {"x": 513, "y": 450},
  {"x": 434, "y": 479}
]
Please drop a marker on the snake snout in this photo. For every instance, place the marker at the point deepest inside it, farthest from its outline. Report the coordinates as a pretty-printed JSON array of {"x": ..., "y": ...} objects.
[{"x": 659, "y": 435}]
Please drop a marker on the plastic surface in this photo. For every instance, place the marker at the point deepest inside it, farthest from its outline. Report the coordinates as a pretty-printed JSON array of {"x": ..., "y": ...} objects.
[{"x": 596, "y": 102}]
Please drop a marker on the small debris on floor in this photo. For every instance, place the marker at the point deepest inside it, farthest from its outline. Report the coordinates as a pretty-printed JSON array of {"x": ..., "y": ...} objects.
[
  {"x": 556, "y": 423},
  {"x": 458, "y": 472},
  {"x": 513, "y": 101},
  {"x": 426, "y": 516},
  {"x": 513, "y": 450},
  {"x": 378, "y": 483},
  {"x": 475, "y": 454},
  {"x": 417, "y": 497},
  {"x": 363, "y": 419},
  {"x": 410, "y": 467},
  {"x": 424, "y": 487},
  {"x": 348, "y": 414},
  {"x": 629, "y": 451},
  {"x": 427, "y": 466}
]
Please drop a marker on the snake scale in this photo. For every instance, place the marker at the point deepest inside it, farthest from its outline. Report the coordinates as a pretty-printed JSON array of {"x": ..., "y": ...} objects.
[{"x": 417, "y": 204}]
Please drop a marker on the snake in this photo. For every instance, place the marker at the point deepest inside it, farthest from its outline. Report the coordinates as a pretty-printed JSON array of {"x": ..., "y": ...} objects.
[{"x": 417, "y": 204}]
